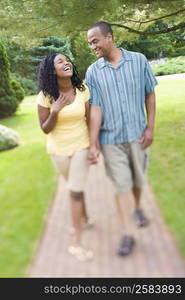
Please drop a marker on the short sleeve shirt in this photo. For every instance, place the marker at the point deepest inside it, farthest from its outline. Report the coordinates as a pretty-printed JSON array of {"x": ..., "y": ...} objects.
[
  {"x": 70, "y": 133},
  {"x": 120, "y": 92}
]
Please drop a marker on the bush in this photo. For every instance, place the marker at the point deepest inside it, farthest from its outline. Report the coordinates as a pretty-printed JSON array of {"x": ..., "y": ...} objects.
[
  {"x": 8, "y": 138},
  {"x": 8, "y": 106},
  {"x": 172, "y": 66},
  {"x": 8, "y": 98},
  {"x": 29, "y": 85},
  {"x": 17, "y": 90}
]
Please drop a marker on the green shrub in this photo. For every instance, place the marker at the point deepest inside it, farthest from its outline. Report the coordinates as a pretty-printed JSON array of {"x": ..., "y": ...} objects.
[
  {"x": 8, "y": 98},
  {"x": 8, "y": 106},
  {"x": 172, "y": 66},
  {"x": 29, "y": 85},
  {"x": 17, "y": 89}
]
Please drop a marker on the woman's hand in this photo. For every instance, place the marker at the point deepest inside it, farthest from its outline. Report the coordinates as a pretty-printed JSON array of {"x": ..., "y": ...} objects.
[
  {"x": 62, "y": 101},
  {"x": 93, "y": 155}
]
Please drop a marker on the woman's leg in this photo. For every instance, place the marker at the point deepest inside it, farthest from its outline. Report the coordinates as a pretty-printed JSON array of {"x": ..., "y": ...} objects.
[{"x": 77, "y": 214}]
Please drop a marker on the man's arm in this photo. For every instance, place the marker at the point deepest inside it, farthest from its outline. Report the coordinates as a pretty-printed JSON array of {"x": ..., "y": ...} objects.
[
  {"x": 147, "y": 138},
  {"x": 94, "y": 130}
]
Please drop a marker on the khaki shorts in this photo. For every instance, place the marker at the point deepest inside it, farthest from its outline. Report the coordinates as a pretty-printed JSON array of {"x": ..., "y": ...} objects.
[
  {"x": 74, "y": 169},
  {"x": 126, "y": 165}
]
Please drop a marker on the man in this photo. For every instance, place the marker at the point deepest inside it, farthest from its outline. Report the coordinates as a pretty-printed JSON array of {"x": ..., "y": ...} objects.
[{"x": 121, "y": 85}]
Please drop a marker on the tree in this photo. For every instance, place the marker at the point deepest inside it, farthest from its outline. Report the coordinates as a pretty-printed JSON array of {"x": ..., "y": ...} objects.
[
  {"x": 83, "y": 55},
  {"x": 38, "y": 19},
  {"x": 49, "y": 45},
  {"x": 158, "y": 45},
  {"x": 9, "y": 98},
  {"x": 19, "y": 58}
]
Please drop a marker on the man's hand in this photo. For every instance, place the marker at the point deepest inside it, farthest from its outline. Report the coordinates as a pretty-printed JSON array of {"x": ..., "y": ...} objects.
[
  {"x": 147, "y": 139},
  {"x": 93, "y": 155}
]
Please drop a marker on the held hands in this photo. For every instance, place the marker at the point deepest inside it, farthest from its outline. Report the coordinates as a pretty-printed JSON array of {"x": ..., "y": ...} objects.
[
  {"x": 93, "y": 155},
  {"x": 147, "y": 139},
  {"x": 62, "y": 101}
]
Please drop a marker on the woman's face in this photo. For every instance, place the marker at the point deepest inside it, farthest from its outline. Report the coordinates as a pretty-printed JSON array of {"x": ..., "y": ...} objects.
[{"x": 63, "y": 66}]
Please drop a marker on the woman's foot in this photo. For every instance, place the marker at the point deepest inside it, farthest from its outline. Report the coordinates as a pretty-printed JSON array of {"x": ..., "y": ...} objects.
[{"x": 80, "y": 253}]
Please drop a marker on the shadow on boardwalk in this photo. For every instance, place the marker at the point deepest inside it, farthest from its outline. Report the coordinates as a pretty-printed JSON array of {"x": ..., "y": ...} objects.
[{"x": 155, "y": 254}]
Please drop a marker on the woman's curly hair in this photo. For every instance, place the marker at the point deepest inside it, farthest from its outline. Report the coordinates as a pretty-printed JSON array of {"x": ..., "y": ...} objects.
[{"x": 47, "y": 79}]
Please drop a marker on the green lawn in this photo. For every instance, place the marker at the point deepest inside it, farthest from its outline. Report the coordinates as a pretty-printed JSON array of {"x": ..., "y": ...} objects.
[
  {"x": 167, "y": 168},
  {"x": 27, "y": 184}
]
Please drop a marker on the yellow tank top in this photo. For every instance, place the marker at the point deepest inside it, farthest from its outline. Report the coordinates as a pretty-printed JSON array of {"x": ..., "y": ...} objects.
[{"x": 70, "y": 133}]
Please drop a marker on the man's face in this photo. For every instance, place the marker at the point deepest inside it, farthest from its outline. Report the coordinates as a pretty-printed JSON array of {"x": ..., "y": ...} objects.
[{"x": 99, "y": 42}]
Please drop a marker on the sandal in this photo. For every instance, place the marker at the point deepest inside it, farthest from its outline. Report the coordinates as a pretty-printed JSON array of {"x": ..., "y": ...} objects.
[
  {"x": 126, "y": 245},
  {"x": 141, "y": 219},
  {"x": 80, "y": 253}
]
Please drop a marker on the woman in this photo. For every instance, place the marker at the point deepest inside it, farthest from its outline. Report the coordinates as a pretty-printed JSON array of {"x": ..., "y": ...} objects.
[{"x": 63, "y": 110}]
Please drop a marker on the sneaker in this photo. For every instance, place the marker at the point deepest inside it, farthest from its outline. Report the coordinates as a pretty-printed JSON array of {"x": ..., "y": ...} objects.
[
  {"x": 141, "y": 219},
  {"x": 126, "y": 245},
  {"x": 80, "y": 253}
]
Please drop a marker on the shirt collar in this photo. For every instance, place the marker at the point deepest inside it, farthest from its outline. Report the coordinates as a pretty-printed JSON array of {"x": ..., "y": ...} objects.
[{"x": 126, "y": 56}]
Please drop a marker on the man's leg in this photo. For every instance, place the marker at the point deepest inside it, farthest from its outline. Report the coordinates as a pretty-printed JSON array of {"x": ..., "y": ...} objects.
[
  {"x": 139, "y": 159},
  {"x": 118, "y": 169},
  {"x": 137, "y": 192},
  {"x": 123, "y": 211},
  {"x": 127, "y": 241},
  {"x": 141, "y": 219}
]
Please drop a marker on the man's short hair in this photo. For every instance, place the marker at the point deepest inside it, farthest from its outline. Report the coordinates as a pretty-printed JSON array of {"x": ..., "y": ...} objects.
[{"x": 105, "y": 27}]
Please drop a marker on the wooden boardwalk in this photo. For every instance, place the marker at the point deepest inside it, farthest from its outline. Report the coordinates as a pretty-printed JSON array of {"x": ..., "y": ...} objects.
[{"x": 155, "y": 254}]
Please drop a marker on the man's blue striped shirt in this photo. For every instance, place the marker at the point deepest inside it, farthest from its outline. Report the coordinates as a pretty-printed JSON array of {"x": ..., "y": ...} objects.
[{"x": 120, "y": 92}]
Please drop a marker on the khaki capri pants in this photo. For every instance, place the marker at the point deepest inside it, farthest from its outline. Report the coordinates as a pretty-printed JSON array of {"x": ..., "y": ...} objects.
[{"x": 73, "y": 168}]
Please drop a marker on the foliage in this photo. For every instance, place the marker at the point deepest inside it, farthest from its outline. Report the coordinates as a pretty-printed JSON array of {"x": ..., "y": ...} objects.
[
  {"x": 38, "y": 19},
  {"x": 29, "y": 85},
  {"x": 19, "y": 58},
  {"x": 8, "y": 101},
  {"x": 24, "y": 62},
  {"x": 49, "y": 45},
  {"x": 166, "y": 44},
  {"x": 171, "y": 66},
  {"x": 17, "y": 90},
  {"x": 83, "y": 55}
]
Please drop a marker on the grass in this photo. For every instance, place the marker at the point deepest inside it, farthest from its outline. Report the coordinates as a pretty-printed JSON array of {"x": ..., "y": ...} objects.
[
  {"x": 27, "y": 184},
  {"x": 166, "y": 172}
]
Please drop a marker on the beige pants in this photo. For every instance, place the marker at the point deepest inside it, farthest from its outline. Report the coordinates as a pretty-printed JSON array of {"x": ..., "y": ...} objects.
[
  {"x": 74, "y": 169},
  {"x": 126, "y": 165}
]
